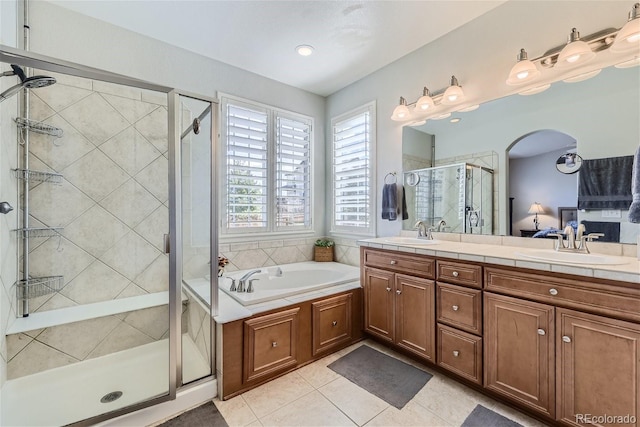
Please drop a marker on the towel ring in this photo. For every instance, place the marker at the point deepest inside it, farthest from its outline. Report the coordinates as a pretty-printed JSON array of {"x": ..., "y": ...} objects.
[
  {"x": 393, "y": 175},
  {"x": 569, "y": 163}
]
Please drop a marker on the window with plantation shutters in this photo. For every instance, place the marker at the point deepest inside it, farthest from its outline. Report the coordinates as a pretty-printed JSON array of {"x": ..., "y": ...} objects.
[
  {"x": 352, "y": 163},
  {"x": 267, "y": 158}
]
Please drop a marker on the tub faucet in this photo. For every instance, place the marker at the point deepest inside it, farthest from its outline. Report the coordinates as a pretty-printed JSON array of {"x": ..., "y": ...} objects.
[{"x": 243, "y": 280}]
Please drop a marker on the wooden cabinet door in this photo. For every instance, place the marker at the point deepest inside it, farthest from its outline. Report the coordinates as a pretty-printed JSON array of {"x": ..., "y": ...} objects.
[
  {"x": 598, "y": 369},
  {"x": 519, "y": 360},
  {"x": 415, "y": 315},
  {"x": 331, "y": 320},
  {"x": 379, "y": 296},
  {"x": 270, "y": 344}
]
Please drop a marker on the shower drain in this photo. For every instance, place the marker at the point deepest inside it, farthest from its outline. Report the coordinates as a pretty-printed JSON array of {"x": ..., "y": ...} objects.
[{"x": 110, "y": 397}]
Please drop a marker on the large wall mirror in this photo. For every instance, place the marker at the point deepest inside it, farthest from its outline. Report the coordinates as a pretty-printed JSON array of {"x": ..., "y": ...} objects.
[{"x": 522, "y": 137}]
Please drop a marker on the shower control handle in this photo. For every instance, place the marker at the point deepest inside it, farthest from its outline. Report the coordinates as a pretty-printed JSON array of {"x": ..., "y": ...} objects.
[{"x": 5, "y": 207}]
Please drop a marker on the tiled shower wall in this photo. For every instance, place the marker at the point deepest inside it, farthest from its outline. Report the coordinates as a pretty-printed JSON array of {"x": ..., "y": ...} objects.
[
  {"x": 244, "y": 256},
  {"x": 112, "y": 204}
]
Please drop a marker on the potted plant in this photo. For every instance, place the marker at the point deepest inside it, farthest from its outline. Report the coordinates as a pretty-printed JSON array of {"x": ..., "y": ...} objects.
[{"x": 323, "y": 250}]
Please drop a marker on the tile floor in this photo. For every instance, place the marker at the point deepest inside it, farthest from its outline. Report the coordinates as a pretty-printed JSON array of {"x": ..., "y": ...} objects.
[{"x": 314, "y": 395}]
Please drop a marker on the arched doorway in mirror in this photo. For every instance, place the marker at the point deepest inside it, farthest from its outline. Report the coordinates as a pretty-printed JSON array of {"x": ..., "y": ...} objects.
[{"x": 543, "y": 185}]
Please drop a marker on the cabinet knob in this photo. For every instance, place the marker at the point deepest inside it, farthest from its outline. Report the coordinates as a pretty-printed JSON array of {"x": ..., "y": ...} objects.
[
  {"x": 566, "y": 339},
  {"x": 455, "y": 308},
  {"x": 393, "y": 262},
  {"x": 553, "y": 291},
  {"x": 456, "y": 353},
  {"x": 541, "y": 332},
  {"x": 334, "y": 323},
  {"x": 455, "y": 274},
  {"x": 274, "y": 344},
  {"x": 388, "y": 289},
  {"x": 398, "y": 292}
]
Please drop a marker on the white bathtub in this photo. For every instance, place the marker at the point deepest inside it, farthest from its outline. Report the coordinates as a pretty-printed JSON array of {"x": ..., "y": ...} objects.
[{"x": 296, "y": 278}]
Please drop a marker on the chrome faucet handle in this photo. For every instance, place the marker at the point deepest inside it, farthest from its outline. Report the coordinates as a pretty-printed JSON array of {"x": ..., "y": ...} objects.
[
  {"x": 429, "y": 235},
  {"x": 240, "y": 287},
  {"x": 559, "y": 244},
  {"x": 233, "y": 286},
  {"x": 594, "y": 236},
  {"x": 420, "y": 227},
  {"x": 250, "y": 287}
]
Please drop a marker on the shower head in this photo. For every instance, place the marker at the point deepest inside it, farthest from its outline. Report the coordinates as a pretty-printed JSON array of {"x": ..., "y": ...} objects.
[{"x": 25, "y": 82}]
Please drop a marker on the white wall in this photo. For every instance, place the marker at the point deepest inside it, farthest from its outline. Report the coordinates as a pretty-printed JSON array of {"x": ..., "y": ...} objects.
[
  {"x": 482, "y": 68},
  {"x": 64, "y": 34},
  {"x": 535, "y": 179}
]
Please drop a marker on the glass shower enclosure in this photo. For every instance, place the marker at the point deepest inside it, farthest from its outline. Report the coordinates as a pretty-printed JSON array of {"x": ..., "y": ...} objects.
[
  {"x": 455, "y": 198},
  {"x": 111, "y": 183}
]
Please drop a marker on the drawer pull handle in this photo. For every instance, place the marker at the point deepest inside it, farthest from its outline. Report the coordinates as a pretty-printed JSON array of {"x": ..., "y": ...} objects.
[
  {"x": 388, "y": 289},
  {"x": 274, "y": 344},
  {"x": 394, "y": 262},
  {"x": 553, "y": 291},
  {"x": 456, "y": 353},
  {"x": 334, "y": 323},
  {"x": 398, "y": 292},
  {"x": 541, "y": 332},
  {"x": 566, "y": 339},
  {"x": 455, "y": 308},
  {"x": 455, "y": 274}
]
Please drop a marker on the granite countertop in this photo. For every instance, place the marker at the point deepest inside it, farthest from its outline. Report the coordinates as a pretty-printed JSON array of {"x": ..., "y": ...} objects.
[{"x": 498, "y": 253}]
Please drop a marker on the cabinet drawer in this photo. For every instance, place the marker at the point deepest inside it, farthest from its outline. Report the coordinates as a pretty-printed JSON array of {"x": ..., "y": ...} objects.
[
  {"x": 460, "y": 273},
  {"x": 331, "y": 323},
  {"x": 460, "y": 307},
  {"x": 270, "y": 344},
  {"x": 460, "y": 353},
  {"x": 599, "y": 298},
  {"x": 415, "y": 265}
]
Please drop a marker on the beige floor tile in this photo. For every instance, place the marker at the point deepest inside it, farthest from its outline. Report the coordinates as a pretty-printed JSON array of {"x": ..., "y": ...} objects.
[
  {"x": 313, "y": 409},
  {"x": 317, "y": 373},
  {"x": 411, "y": 415},
  {"x": 275, "y": 394},
  {"x": 236, "y": 412},
  {"x": 357, "y": 403},
  {"x": 452, "y": 407}
]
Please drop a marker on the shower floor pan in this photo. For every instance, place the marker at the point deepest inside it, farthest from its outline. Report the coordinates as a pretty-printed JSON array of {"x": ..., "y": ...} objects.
[{"x": 72, "y": 393}]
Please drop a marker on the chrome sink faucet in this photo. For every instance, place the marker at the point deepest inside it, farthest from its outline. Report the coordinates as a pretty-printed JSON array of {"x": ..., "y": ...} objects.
[
  {"x": 243, "y": 281},
  {"x": 575, "y": 242},
  {"x": 423, "y": 231},
  {"x": 440, "y": 226}
]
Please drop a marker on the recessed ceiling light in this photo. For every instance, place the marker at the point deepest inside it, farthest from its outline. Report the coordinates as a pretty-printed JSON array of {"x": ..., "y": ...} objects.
[
  {"x": 455, "y": 120},
  {"x": 304, "y": 50}
]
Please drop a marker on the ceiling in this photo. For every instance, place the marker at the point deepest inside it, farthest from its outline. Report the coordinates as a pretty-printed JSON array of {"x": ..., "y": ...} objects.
[
  {"x": 351, "y": 38},
  {"x": 541, "y": 142}
]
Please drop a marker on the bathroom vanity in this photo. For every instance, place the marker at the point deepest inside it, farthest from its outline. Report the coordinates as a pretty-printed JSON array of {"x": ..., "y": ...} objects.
[{"x": 557, "y": 340}]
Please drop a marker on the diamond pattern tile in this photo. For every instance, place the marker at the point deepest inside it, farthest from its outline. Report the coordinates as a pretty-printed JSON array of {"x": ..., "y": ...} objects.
[
  {"x": 155, "y": 278},
  {"x": 96, "y": 283},
  {"x": 95, "y": 118},
  {"x": 155, "y": 178},
  {"x": 95, "y": 231},
  {"x": 154, "y": 127},
  {"x": 123, "y": 337},
  {"x": 96, "y": 175},
  {"x": 58, "y": 153},
  {"x": 155, "y": 226},
  {"x": 36, "y": 357},
  {"x": 58, "y": 205},
  {"x": 58, "y": 256},
  {"x": 151, "y": 321},
  {"x": 131, "y": 109},
  {"x": 131, "y": 203},
  {"x": 60, "y": 96},
  {"x": 130, "y": 256},
  {"x": 130, "y": 150}
]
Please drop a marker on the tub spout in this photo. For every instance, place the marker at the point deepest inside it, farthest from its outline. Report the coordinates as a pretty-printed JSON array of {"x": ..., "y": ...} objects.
[{"x": 243, "y": 280}]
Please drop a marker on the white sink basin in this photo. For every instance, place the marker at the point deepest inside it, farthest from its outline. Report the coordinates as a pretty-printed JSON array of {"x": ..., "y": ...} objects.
[
  {"x": 552, "y": 256},
  {"x": 412, "y": 241}
]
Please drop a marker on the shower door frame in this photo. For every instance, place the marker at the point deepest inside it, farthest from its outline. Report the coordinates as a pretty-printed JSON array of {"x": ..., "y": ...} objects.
[{"x": 29, "y": 59}]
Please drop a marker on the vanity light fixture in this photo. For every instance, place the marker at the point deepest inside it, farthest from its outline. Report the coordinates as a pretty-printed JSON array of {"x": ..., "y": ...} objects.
[
  {"x": 455, "y": 120},
  {"x": 425, "y": 102},
  {"x": 535, "y": 90},
  {"x": 470, "y": 108},
  {"x": 441, "y": 116},
  {"x": 582, "y": 77},
  {"x": 418, "y": 123},
  {"x": 454, "y": 94},
  {"x": 523, "y": 72},
  {"x": 576, "y": 52},
  {"x": 401, "y": 112},
  {"x": 628, "y": 38},
  {"x": 628, "y": 64},
  {"x": 304, "y": 50}
]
